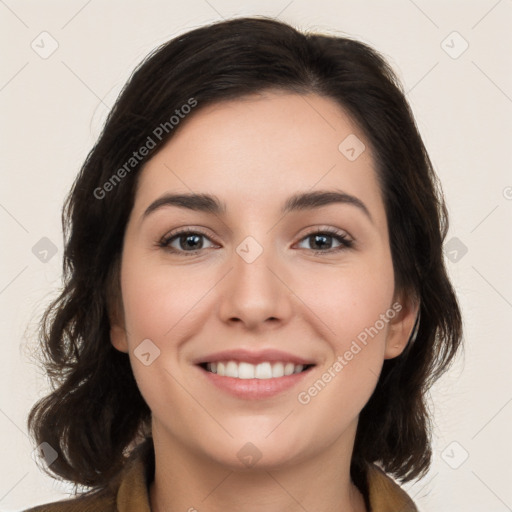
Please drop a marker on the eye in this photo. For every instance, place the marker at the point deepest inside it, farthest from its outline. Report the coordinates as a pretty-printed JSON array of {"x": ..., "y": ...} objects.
[
  {"x": 189, "y": 242},
  {"x": 322, "y": 240},
  {"x": 184, "y": 241}
]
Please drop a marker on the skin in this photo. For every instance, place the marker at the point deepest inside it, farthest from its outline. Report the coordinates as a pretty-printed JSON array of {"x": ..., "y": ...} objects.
[{"x": 253, "y": 153}]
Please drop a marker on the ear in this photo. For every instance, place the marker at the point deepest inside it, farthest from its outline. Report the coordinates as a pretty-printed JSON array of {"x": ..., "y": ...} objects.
[
  {"x": 118, "y": 337},
  {"x": 115, "y": 308},
  {"x": 402, "y": 325}
]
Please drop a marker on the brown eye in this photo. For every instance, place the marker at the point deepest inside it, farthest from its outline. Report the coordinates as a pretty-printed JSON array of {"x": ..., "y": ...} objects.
[
  {"x": 186, "y": 241},
  {"x": 322, "y": 241}
]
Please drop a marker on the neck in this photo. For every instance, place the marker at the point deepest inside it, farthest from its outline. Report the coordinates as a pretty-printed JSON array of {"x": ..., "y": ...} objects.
[{"x": 188, "y": 481}]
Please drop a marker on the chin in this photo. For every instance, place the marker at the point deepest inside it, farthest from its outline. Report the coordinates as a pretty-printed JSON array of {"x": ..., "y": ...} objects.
[{"x": 247, "y": 453}]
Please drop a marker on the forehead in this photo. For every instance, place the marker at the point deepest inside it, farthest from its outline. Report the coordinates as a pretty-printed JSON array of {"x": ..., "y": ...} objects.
[{"x": 260, "y": 148}]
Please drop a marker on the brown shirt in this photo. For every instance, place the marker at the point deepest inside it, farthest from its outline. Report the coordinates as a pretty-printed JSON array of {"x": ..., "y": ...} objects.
[{"x": 130, "y": 493}]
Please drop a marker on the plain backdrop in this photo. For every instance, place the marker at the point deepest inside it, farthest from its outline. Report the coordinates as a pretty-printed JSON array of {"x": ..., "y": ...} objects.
[{"x": 454, "y": 60}]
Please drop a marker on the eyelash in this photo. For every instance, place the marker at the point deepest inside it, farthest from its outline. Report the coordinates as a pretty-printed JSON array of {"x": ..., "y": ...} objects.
[{"x": 345, "y": 241}]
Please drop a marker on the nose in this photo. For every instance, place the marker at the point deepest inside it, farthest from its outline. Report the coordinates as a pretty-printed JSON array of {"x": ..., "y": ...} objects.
[{"x": 255, "y": 293}]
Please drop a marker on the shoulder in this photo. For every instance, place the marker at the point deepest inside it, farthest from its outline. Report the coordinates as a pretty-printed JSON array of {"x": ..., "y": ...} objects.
[
  {"x": 106, "y": 502},
  {"x": 128, "y": 491},
  {"x": 385, "y": 494}
]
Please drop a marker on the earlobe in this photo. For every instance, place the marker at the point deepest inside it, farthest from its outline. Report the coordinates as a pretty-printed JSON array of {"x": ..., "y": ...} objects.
[
  {"x": 118, "y": 338},
  {"x": 401, "y": 328}
]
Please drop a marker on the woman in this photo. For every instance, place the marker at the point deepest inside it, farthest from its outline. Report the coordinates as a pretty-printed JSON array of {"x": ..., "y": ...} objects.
[{"x": 255, "y": 302}]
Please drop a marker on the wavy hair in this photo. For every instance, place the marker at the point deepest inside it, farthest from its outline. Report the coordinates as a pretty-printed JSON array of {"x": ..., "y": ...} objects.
[{"x": 95, "y": 414}]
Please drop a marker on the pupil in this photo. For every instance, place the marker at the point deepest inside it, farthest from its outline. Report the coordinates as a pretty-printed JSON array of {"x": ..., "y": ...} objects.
[
  {"x": 321, "y": 237},
  {"x": 188, "y": 239}
]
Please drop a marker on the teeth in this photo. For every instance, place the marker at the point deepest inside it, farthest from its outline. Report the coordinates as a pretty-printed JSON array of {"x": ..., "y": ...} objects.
[
  {"x": 245, "y": 370},
  {"x": 263, "y": 371},
  {"x": 231, "y": 369},
  {"x": 278, "y": 370},
  {"x": 288, "y": 369}
]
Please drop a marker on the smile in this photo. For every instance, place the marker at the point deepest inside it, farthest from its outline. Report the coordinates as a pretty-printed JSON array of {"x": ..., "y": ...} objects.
[
  {"x": 260, "y": 381},
  {"x": 264, "y": 370}
]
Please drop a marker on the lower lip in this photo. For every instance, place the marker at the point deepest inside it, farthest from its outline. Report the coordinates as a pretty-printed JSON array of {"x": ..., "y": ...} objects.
[{"x": 255, "y": 389}]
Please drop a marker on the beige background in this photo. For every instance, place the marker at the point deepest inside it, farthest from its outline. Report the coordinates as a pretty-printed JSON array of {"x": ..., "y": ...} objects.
[{"x": 52, "y": 112}]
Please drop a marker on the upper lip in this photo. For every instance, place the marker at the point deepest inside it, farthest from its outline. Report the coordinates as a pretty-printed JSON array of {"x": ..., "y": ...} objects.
[{"x": 253, "y": 357}]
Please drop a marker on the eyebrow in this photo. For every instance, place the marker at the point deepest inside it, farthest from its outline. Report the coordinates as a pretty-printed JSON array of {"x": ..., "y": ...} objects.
[{"x": 298, "y": 202}]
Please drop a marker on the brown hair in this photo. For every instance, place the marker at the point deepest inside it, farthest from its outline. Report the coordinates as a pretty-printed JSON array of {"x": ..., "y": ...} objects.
[{"x": 95, "y": 412}]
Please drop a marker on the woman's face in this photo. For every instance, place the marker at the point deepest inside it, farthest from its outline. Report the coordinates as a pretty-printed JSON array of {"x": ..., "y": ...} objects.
[{"x": 252, "y": 289}]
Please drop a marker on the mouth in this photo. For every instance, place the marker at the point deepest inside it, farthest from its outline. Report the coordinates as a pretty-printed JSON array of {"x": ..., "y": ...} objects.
[
  {"x": 264, "y": 371},
  {"x": 254, "y": 375}
]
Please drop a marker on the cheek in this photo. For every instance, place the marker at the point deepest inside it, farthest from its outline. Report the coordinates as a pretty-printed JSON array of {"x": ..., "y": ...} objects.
[
  {"x": 349, "y": 299},
  {"x": 160, "y": 305},
  {"x": 355, "y": 306},
  {"x": 164, "y": 304},
  {"x": 159, "y": 299}
]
